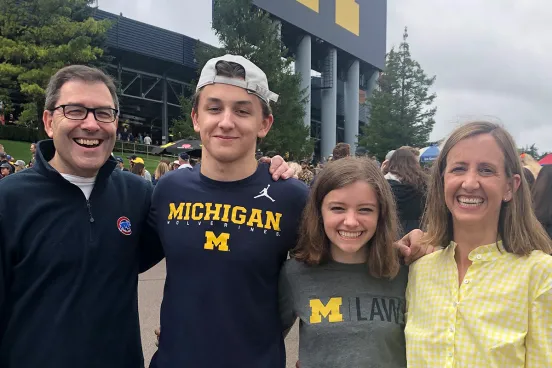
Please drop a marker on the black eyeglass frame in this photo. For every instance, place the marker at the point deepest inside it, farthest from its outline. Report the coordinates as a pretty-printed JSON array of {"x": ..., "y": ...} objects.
[{"x": 88, "y": 110}]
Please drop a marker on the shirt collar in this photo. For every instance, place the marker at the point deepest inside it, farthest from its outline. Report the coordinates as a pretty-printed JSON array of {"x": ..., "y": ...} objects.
[
  {"x": 390, "y": 176},
  {"x": 483, "y": 253}
]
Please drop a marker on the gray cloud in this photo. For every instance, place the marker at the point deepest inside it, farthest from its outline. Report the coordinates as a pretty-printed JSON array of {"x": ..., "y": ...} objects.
[
  {"x": 491, "y": 57},
  {"x": 189, "y": 17}
]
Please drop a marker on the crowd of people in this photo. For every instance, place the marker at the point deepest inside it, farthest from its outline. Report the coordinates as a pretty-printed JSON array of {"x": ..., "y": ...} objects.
[
  {"x": 9, "y": 165},
  {"x": 126, "y": 135},
  {"x": 250, "y": 250},
  {"x": 137, "y": 166}
]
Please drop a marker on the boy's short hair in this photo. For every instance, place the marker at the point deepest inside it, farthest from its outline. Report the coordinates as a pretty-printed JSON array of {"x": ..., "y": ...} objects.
[{"x": 341, "y": 150}]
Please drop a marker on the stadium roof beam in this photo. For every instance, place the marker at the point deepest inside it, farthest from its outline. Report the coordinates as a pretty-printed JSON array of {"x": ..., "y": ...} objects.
[
  {"x": 149, "y": 99},
  {"x": 142, "y": 73},
  {"x": 152, "y": 86},
  {"x": 131, "y": 82},
  {"x": 141, "y": 95}
]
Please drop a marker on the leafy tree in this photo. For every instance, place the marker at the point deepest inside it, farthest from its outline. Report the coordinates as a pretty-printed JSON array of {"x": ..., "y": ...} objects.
[
  {"x": 37, "y": 38},
  {"x": 533, "y": 151},
  {"x": 248, "y": 31},
  {"x": 182, "y": 128},
  {"x": 400, "y": 107}
]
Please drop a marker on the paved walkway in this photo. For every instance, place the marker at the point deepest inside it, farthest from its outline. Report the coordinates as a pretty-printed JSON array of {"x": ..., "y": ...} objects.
[{"x": 150, "y": 293}]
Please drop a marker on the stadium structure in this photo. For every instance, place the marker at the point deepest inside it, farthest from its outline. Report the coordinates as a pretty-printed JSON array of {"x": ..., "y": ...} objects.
[{"x": 339, "y": 47}]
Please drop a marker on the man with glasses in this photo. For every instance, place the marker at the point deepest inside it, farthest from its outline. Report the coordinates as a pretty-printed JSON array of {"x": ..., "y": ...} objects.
[{"x": 77, "y": 241}]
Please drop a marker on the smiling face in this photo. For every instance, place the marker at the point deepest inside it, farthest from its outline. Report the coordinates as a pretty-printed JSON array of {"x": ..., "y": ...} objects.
[
  {"x": 350, "y": 216},
  {"x": 229, "y": 121},
  {"x": 82, "y": 146},
  {"x": 476, "y": 184}
]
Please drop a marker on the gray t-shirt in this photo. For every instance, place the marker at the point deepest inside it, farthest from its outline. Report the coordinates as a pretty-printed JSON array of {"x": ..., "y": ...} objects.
[{"x": 347, "y": 317}]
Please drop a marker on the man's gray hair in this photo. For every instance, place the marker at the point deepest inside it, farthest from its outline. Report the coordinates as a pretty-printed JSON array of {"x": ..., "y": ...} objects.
[{"x": 81, "y": 73}]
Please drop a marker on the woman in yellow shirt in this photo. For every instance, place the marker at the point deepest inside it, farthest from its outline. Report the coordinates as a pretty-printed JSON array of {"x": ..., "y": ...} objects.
[{"x": 485, "y": 299}]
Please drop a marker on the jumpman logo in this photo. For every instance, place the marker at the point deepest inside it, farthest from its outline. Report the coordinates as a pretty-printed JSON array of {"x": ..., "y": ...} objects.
[{"x": 264, "y": 193}]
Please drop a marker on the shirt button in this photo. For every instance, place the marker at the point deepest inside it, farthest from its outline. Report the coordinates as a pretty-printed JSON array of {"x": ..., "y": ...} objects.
[
  {"x": 478, "y": 256},
  {"x": 450, "y": 355},
  {"x": 466, "y": 281},
  {"x": 452, "y": 329}
]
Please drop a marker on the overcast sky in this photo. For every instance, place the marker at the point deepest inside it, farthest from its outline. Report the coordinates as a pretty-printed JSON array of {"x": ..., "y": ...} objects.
[{"x": 492, "y": 58}]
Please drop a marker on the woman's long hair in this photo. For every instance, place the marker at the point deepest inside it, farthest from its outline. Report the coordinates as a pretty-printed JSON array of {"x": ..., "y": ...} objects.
[
  {"x": 138, "y": 169},
  {"x": 518, "y": 227},
  {"x": 297, "y": 169},
  {"x": 542, "y": 196},
  {"x": 161, "y": 170},
  {"x": 404, "y": 164},
  {"x": 314, "y": 246},
  {"x": 529, "y": 177}
]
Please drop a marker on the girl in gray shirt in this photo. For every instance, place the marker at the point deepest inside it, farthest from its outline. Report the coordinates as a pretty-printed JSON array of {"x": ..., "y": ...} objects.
[{"x": 344, "y": 281}]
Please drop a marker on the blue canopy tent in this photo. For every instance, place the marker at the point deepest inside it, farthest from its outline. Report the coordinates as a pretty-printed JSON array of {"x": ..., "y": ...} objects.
[{"x": 429, "y": 154}]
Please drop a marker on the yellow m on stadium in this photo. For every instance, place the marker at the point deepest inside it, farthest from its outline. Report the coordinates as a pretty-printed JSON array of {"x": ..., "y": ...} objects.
[{"x": 347, "y": 13}]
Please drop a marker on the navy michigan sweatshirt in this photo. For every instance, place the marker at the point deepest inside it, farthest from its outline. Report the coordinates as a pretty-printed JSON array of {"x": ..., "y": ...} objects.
[{"x": 225, "y": 244}]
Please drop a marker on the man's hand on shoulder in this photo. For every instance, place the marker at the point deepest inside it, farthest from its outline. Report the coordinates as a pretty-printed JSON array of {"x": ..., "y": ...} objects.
[
  {"x": 411, "y": 247},
  {"x": 279, "y": 169}
]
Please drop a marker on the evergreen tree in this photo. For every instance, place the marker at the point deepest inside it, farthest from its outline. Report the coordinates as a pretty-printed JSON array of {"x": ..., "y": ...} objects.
[
  {"x": 249, "y": 31},
  {"x": 39, "y": 37},
  {"x": 531, "y": 150},
  {"x": 400, "y": 107}
]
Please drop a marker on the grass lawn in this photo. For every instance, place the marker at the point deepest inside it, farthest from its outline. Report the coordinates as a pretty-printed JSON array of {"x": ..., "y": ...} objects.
[{"x": 20, "y": 151}]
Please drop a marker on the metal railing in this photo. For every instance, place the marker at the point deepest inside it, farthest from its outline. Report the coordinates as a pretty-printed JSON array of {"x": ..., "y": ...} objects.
[{"x": 138, "y": 149}]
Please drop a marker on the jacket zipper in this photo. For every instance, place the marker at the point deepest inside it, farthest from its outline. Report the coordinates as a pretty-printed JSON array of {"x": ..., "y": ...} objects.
[
  {"x": 89, "y": 211},
  {"x": 91, "y": 219}
]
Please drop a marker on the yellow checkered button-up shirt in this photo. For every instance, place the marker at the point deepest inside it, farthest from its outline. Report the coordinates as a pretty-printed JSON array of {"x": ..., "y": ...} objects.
[{"x": 500, "y": 316}]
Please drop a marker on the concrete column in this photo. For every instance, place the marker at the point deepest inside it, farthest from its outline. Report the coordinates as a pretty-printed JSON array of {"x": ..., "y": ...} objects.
[
  {"x": 303, "y": 68},
  {"x": 372, "y": 82},
  {"x": 164, "y": 114},
  {"x": 352, "y": 105},
  {"x": 329, "y": 104},
  {"x": 371, "y": 85},
  {"x": 119, "y": 78}
]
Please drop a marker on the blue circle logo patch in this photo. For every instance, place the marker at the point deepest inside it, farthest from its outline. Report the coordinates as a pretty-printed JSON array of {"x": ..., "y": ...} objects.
[{"x": 123, "y": 224}]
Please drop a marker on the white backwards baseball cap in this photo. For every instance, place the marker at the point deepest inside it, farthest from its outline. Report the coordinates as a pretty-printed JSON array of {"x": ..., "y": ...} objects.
[{"x": 255, "y": 79}]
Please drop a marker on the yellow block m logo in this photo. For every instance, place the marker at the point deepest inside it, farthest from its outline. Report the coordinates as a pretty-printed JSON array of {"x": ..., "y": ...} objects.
[
  {"x": 347, "y": 13},
  {"x": 331, "y": 310},
  {"x": 212, "y": 241}
]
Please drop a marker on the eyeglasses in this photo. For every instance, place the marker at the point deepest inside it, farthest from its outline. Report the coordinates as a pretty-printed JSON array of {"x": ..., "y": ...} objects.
[{"x": 76, "y": 112}]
